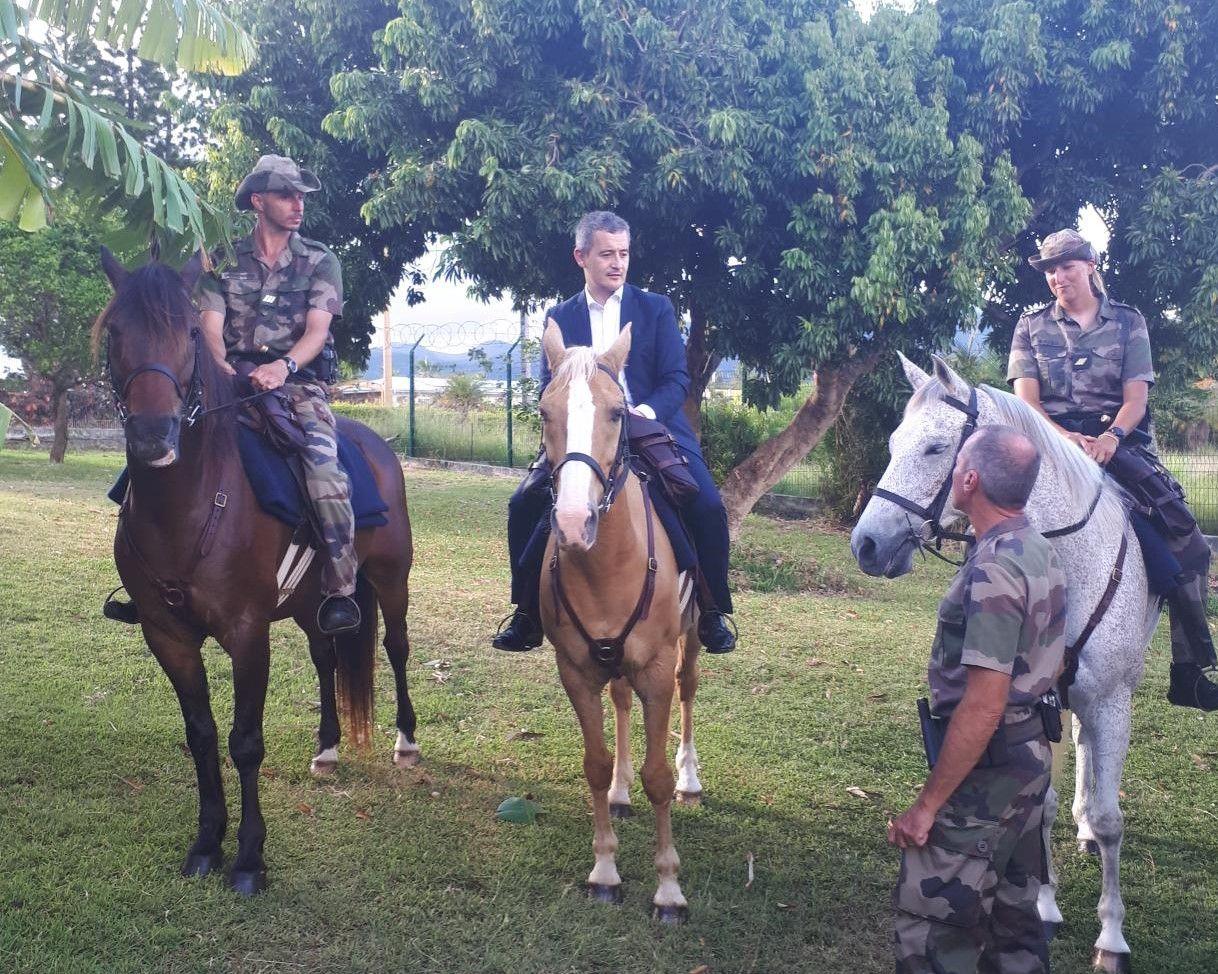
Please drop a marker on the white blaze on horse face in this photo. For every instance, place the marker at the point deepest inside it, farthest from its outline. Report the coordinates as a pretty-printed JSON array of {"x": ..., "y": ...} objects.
[{"x": 572, "y": 508}]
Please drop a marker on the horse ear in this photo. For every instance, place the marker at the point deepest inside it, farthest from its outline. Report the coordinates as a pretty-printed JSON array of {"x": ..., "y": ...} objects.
[
  {"x": 115, "y": 271},
  {"x": 917, "y": 378},
  {"x": 194, "y": 269},
  {"x": 615, "y": 357},
  {"x": 949, "y": 378},
  {"x": 552, "y": 344}
]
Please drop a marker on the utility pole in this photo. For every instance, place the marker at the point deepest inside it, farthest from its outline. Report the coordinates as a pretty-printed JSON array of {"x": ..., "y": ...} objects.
[
  {"x": 526, "y": 366},
  {"x": 387, "y": 362}
]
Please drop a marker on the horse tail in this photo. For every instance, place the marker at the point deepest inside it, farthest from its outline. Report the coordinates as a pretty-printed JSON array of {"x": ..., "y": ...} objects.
[{"x": 356, "y": 658}]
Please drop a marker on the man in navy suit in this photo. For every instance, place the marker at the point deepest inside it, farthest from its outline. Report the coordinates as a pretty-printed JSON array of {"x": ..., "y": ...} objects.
[{"x": 656, "y": 382}]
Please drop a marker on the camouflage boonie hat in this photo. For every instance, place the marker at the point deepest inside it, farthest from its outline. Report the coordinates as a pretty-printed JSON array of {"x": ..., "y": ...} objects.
[
  {"x": 1061, "y": 246},
  {"x": 273, "y": 173}
]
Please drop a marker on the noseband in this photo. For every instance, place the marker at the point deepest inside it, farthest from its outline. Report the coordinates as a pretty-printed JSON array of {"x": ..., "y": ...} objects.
[
  {"x": 192, "y": 399},
  {"x": 611, "y": 482},
  {"x": 931, "y": 514}
]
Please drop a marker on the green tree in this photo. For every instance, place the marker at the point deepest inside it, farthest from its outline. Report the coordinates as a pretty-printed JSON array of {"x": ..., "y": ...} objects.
[
  {"x": 278, "y": 106},
  {"x": 55, "y": 133},
  {"x": 794, "y": 178},
  {"x": 50, "y": 294}
]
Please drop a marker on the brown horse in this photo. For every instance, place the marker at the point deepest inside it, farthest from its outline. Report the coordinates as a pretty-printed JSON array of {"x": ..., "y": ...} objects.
[
  {"x": 613, "y": 605},
  {"x": 200, "y": 558}
]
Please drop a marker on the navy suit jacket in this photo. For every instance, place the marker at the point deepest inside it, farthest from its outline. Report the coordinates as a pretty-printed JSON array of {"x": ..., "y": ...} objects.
[{"x": 656, "y": 373}]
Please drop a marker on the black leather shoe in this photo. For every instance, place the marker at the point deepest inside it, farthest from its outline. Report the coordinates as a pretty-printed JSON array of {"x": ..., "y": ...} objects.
[
  {"x": 1190, "y": 687},
  {"x": 518, "y": 636},
  {"x": 715, "y": 634},
  {"x": 338, "y": 614},
  {"x": 120, "y": 611}
]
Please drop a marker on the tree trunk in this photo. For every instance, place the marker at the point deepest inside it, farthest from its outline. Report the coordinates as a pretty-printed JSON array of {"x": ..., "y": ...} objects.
[
  {"x": 769, "y": 463},
  {"x": 701, "y": 364},
  {"x": 59, "y": 446}
]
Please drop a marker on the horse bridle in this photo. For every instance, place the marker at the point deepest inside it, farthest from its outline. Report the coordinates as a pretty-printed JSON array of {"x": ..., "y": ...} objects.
[
  {"x": 934, "y": 511},
  {"x": 611, "y": 482},
  {"x": 191, "y": 399}
]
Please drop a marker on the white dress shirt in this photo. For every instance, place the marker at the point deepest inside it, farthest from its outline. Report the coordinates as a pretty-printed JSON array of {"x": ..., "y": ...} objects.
[{"x": 606, "y": 322}]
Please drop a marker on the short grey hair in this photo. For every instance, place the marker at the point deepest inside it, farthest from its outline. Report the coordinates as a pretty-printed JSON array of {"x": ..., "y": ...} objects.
[
  {"x": 590, "y": 223},
  {"x": 1006, "y": 462}
]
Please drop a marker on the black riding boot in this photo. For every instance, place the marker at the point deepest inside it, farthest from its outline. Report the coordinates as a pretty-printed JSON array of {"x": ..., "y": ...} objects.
[
  {"x": 714, "y": 632},
  {"x": 521, "y": 634},
  {"x": 338, "y": 614},
  {"x": 1190, "y": 687}
]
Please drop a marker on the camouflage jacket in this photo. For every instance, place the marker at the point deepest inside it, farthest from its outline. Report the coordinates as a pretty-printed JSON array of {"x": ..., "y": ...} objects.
[
  {"x": 1081, "y": 371},
  {"x": 264, "y": 307},
  {"x": 1005, "y": 611}
]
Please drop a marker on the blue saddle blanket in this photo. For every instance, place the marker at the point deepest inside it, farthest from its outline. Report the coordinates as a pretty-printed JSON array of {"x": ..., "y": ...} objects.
[{"x": 276, "y": 489}]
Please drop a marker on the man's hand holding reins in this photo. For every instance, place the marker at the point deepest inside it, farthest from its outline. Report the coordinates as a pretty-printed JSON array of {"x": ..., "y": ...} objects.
[{"x": 269, "y": 376}]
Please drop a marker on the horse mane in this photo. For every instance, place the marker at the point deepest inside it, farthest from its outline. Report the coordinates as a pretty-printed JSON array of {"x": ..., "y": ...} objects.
[
  {"x": 154, "y": 305},
  {"x": 1082, "y": 474},
  {"x": 579, "y": 362}
]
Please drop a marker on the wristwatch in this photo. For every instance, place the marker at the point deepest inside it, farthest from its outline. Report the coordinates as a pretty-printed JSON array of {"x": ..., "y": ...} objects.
[
  {"x": 293, "y": 368},
  {"x": 1115, "y": 432}
]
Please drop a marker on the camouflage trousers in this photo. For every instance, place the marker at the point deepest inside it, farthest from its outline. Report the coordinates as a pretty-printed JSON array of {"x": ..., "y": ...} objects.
[
  {"x": 966, "y": 901},
  {"x": 1193, "y": 553},
  {"x": 328, "y": 486}
]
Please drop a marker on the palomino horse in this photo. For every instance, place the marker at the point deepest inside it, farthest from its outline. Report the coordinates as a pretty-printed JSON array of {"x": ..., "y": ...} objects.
[
  {"x": 612, "y": 605},
  {"x": 1082, "y": 512},
  {"x": 200, "y": 557}
]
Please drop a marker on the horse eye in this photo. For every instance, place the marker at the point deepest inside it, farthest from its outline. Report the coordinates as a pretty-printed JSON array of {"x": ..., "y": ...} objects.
[
  {"x": 935, "y": 449},
  {"x": 618, "y": 414}
]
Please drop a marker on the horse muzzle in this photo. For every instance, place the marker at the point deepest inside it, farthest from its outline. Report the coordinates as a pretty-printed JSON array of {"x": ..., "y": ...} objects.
[
  {"x": 152, "y": 441},
  {"x": 576, "y": 529},
  {"x": 880, "y": 556}
]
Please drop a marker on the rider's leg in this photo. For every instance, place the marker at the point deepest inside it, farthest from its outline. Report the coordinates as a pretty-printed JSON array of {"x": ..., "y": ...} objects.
[
  {"x": 330, "y": 494},
  {"x": 1192, "y": 647},
  {"x": 527, "y": 510},
  {"x": 707, "y": 522}
]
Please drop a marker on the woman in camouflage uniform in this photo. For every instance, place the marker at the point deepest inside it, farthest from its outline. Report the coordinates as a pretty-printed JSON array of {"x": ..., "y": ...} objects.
[{"x": 1084, "y": 363}]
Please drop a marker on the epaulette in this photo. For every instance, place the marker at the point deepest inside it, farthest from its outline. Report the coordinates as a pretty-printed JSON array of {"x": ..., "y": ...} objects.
[
  {"x": 314, "y": 244},
  {"x": 1037, "y": 309},
  {"x": 1122, "y": 304}
]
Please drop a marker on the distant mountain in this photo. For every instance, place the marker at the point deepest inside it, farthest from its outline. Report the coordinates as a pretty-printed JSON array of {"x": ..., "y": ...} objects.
[{"x": 430, "y": 362}]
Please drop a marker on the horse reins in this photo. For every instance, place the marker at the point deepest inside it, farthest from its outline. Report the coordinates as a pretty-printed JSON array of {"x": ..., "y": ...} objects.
[
  {"x": 608, "y": 652},
  {"x": 932, "y": 513}
]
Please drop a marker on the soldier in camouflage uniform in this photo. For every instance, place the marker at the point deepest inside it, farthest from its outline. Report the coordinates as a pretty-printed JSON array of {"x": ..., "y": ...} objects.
[
  {"x": 273, "y": 308},
  {"x": 973, "y": 860},
  {"x": 1084, "y": 362}
]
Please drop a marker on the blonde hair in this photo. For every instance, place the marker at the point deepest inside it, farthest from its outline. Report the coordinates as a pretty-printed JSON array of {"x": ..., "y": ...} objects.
[{"x": 1097, "y": 283}]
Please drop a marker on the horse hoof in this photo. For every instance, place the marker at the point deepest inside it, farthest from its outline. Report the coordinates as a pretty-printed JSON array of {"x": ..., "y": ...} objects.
[
  {"x": 1110, "y": 962},
  {"x": 247, "y": 882},
  {"x": 202, "y": 864},
  {"x": 407, "y": 759},
  {"x": 322, "y": 769},
  {"x": 603, "y": 893},
  {"x": 672, "y": 915},
  {"x": 1089, "y": 846},
  {"x": 1050, "y": 930},
  {"x": 688, "y": 797},
  {"x": 620, "y": 810}
]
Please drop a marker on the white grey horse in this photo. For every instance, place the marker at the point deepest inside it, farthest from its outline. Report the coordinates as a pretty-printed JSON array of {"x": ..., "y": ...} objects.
[{"x": 923, "y": 450}]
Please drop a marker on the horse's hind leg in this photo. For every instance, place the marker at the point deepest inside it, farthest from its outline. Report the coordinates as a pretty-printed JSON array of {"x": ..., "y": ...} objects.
[
  {"x": 1106, "y": 723},
  {"x": 321, "y": 648},
  {"x": 604, "y": 883},
  {"x": 183, "y": 664},
  {"x": 623, "y": 767},
  {"x": 655, "y": 688},
  {"x": 689, "y": 788},
  {"x": 389, "y": 578},
  {"x": 251, "y": 666}
]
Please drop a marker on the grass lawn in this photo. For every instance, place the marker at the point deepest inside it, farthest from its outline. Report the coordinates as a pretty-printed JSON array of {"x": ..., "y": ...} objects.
[{"x": 386, "y": 870}]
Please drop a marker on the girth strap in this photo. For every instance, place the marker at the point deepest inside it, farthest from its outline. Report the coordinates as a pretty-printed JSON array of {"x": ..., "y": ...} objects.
[
  {"x": 1075, "y": 649},
  {"x": 608, "y": 653}
]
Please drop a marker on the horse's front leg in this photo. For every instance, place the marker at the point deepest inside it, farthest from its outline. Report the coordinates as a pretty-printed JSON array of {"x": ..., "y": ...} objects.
[
  {"x": 689, "y": 788},
  {"x": 1107, "y": 725},
  {"x": 183, "y": 664},
  {"x": 251, "y": 655},
  {"x": 321, "y": 649},
  {"x": 623, "y": 767},
  {"x": 1046, "y": 899},
  {"x": 604, "y": 883},
  {"x": 655, "y": 687},
  {"x": 1084, "y": 777}
]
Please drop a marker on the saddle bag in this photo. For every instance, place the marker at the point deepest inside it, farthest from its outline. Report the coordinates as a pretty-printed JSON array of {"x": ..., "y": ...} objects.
[
  {"x": 1153, "y": 489},
  {"x": 271, "y": 415},
  {"x": 659, "y": 454}
]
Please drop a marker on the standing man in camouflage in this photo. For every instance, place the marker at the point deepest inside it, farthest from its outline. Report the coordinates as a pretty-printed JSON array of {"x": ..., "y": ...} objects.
[
  {"x": 273, "y": 309},
  {"x": 1083, "y": 362},
  {"x": 972, "y": 859}
]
